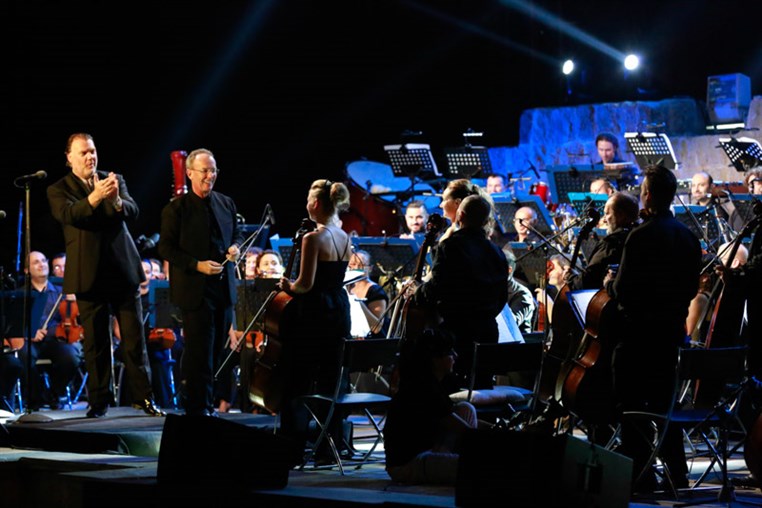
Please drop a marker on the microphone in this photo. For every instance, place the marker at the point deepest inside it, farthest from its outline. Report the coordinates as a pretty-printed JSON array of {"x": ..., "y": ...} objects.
[
  {"x": 2, "y": 214},
  {"x": 270, "y": 214},
  {"x": 40, "y": 175}
]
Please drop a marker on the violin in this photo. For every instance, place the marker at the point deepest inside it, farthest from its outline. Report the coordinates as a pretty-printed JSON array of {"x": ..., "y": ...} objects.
[
  {"x": 69, "y": 329},
  {"x": 164, "y": 338}
]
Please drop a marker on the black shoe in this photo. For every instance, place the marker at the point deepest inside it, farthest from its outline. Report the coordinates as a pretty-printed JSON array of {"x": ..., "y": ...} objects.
[
  {"x": 203, "y": 412},
  {"x": 149, "y": 408},
  {"x": 97, "y": 411}
]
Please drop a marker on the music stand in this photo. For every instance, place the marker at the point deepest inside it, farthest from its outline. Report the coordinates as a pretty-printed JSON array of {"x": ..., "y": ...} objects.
[
  {"x": 577, "y": 178},
  {"x": 744, "y": 204},
  {"x": 283, "y": 246},
  {"x": 579, "y": 301},
  {"x": 744, "y": 153},
  {"x": 531, "y": 264},
  {"x": 581, "y": 200},
  {"x": 398, "y": 255},
  {"x": 412, "y": 160},
  {"x": 251, "y": 295},
  {"x": 705, "y": 216},
  {"x": 589, "y": 243},
  {"x": 505, "y": 208},
  {"x": 651, "y": 148},
  {"x": 467, "y": 161},
  {"x": 165, "y": 314}
]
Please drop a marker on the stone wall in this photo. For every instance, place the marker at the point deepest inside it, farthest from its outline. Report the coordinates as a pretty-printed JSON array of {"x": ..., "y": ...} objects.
[{"x": 566, "y": 135}]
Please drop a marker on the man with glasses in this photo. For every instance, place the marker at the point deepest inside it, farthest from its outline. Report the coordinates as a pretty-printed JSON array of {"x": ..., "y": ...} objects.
[
  {"x": 105, "y": 271},
  {"x": 200, "y": 239}
]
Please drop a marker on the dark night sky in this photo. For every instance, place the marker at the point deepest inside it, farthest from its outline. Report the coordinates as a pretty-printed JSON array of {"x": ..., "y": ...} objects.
[{"x": 289, "y": 91}]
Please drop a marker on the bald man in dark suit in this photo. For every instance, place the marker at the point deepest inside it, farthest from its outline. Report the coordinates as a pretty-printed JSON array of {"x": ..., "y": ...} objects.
[{"x": 103, "y": 271}]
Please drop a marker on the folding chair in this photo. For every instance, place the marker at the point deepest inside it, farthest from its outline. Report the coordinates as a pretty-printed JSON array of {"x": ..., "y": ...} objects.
[
  {"x": 357, "y": 355},
  {"x": 520, "y": 363},
  {"x": 721, "y": 367}
]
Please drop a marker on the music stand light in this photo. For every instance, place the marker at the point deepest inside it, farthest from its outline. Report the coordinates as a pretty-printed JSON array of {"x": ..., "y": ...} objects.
[
  {"x": 412, "y": 160},
  {"x": 651, "y": 148},
  {"x": 467, "y": 161},
  {"x": 744, "y": 153}
]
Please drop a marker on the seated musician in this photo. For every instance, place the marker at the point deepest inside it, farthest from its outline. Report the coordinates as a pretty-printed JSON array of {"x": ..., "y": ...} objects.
[
  {"x": 467, "y": 287},
  {"x": 607, "y": 146},
  {"x": 753, "y": 181},
  {"x": 602, "y": 186},
  {"x": 269, "y": 265},
  {"x": 416, "y": 216},
  {"x": 704, "y": 192},
  {"x": 521, "y": 303},
  {"x": 698, "y": 312},
  {"x": 423, "y": 426},
  {"x": 524, "y": 220},
  {"x": 370, "y": 296},
  {"x": 557, "y": 265},
  {"x": 619, "y": 215},
  {"x": 250, "y": 262},
  {"x": 58, "y": 265},
  {"x": 495, "y": 183},
  {"x": 65, "y": 356}
]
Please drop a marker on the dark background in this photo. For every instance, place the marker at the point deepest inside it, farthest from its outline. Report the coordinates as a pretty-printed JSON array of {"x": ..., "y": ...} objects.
[{"x": 289, "y": 91}]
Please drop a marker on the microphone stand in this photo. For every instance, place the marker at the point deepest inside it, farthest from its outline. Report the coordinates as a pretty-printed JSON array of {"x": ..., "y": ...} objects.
[
  {"x": 266, "y": 219},
  {"x": 547, "y": 241},
  {"x": 27, "y": 317},
  {"x": 696, "y": 222}
]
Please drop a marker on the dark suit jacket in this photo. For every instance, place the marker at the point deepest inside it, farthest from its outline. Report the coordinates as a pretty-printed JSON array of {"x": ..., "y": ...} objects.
[
  {"x": 93, "y": 234},
  {"x": 184, "y": 241}
]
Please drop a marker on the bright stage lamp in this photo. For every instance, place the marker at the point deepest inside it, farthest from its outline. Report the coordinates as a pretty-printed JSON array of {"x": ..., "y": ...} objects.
[
  {"x": 568, "y": 67},
  {"x": 631, "y": 62}
]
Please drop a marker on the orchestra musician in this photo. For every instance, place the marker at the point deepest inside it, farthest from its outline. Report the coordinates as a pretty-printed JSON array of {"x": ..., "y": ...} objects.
[
  {"x": 495, "y": 183},
  {"x": 269, "y": 265},
  {"x": 607, "y": 146},
  {"x": 58, "y": 265},
  {"x": 64, "y": 357},
  {"x": 753, "y": 181},
  {"x": 250, "y": 263},
  {"x": 657, "y": 278},
  {"x": 524, "y": 220},
  {"x": 455, "y": 192},
  {"x": 521, "y": 302},
  {"x": 416, "y": 216},
  {"x": 467, "y": 288},
  {"x": 369, "y": 296},
  {"x": 319, "y": 316},
  {"x": 704, "y": 192},
  {"x": 105, "y": 271},
  {"x": 200, "y": 238},
  {"x": 619, "y": 215}
]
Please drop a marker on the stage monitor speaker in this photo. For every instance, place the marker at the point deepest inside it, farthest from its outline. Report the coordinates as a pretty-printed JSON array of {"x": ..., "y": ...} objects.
[
  {"x": 199, "y": 451},
  {"x": 498, "y": 467}
]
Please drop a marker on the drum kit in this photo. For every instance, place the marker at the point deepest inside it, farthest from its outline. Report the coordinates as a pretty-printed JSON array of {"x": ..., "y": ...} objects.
[{"x": 377, "y": 198}]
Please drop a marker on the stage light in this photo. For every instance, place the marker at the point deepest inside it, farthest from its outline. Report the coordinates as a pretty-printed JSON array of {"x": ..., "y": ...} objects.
[
  {"x": 568, "y": 67},
  {"x": 631, "y": 62}
]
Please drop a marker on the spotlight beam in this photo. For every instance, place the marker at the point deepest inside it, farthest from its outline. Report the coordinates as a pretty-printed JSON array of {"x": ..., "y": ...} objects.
[
  {"x": 481, "y": 32},
  {"x": 556, "y": 23}
]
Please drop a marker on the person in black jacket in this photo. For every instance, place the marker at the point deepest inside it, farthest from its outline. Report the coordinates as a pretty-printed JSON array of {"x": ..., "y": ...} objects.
[
  {"x": 657, "y": 278},
  {"x": 199, "y": 234},
  {"x": 467, "y": 287},
  {"x": 103, "y": 271}
]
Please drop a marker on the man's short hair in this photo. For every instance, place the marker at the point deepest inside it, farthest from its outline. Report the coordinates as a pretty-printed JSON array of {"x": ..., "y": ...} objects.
[
  {"x": 416, "y": 204},
  {"x": 476, "y": 211},
  {"x": 626, "y": 207},
  {"x": 607, "y": 136},
  {"x": 510, "y": 257},
  {"x": 662, "y": 185}
]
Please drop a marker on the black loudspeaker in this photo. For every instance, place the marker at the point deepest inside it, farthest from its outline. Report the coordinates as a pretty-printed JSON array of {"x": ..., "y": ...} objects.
[
  {"x": 203, "y": 450},
  {"x": 498, "y": 467}
]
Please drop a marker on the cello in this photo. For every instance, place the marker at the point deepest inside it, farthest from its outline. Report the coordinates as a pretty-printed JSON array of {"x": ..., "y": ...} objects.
[
  {"x": 566, "y": 331},
  {"x": 265, "y": 387}
]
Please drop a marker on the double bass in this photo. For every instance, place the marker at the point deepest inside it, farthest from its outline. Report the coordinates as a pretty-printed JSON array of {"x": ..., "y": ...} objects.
[
  {"x": 566, "y": 331},
  {"x": 266, "y": 385}
]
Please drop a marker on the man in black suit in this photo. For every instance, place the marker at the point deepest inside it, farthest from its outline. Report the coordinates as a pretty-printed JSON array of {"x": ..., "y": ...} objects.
[
  {"x": 103, "y": 271},
  {"x": 199, "y": 234},
  {"x": 658, "y": 277}
]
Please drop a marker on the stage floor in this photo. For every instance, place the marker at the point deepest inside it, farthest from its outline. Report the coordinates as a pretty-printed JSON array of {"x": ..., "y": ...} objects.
[{"x": 61, "y": 458}]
